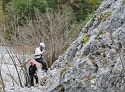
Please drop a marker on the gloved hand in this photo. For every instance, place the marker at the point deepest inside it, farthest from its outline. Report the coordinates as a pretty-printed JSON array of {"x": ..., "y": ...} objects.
[
  {"x": 35, "y": 74},
  {"x": 43, "y": 51}
]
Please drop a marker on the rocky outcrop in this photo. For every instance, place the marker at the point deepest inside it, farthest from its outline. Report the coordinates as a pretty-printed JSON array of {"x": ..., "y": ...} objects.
[{"x": 95, "y": 61}]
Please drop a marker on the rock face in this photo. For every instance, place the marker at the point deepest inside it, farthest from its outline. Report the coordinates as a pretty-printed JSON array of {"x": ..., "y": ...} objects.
[{"x": 95, "y": 62}]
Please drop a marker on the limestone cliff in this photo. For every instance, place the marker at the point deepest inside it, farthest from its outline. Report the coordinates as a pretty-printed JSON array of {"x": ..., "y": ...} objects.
[{"x": 95, "y": 61}]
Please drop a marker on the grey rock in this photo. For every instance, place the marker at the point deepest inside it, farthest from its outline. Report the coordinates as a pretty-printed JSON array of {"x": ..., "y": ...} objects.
[{"x": 106, "y": 46}]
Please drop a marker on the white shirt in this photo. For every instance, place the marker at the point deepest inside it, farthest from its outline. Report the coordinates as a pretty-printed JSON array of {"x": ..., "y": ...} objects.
[{"x": 38, "y": 53}]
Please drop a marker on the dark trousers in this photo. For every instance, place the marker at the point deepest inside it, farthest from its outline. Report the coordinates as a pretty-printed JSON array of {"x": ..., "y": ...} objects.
[
  {"x": 44, "y": 65},
  {"x": 32, "y": 80}
]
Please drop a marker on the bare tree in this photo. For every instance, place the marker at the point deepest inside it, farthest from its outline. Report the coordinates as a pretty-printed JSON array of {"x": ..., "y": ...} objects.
[
  {"x": 49, "y": 28},
  {"x": 17, "y": 62}
]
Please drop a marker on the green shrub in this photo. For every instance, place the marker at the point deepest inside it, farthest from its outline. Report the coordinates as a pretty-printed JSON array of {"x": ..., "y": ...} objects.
[
  {"x": 92, "y": 77},
  {"x": 2, "y": 15},
  {"x": 24, "y": 9},
  {"x": 85, "y": 38},
  {"x": 94, "y": 84},
  {"x": 107, "y": 14},
  {"x": 99, "y": 17}
]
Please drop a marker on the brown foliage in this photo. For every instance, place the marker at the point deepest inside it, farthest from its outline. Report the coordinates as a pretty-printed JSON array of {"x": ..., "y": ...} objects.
[{"x": 49, "y": 28}]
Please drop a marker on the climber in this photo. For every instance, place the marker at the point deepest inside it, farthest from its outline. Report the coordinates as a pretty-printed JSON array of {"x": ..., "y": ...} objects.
[
  {"x": 33, "y": 73},
  {"x": 39, "y": 56}
]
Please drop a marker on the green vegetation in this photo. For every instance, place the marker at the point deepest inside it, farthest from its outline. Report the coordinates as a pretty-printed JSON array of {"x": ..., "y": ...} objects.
[
  {"x": 94, "y": 84},
  {"x": 107, "y": 14},
  {"x": 99, "y": 33},
  {"x": 2, "y": 15},
  {"x": 85, "y": 38},
  {"x": 27, "y": 8},
  {"x": 99, "y": 17},
  {"x": 92, "y": 77},
  {"x": 102, "y": 17},
  {"x": 123, "y": 1},
  {"x": 56, "y": 22}
]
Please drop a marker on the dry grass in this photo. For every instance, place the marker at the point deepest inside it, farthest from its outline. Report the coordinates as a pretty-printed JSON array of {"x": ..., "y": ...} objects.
[{"x": 123, "y": 1}]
